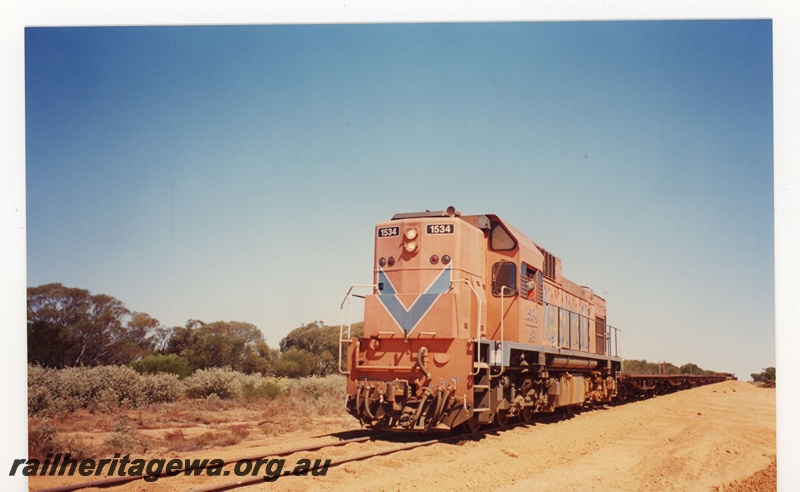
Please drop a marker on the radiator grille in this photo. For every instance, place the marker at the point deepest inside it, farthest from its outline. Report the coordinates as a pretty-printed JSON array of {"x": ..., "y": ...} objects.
[
  {"x": 549, "y": 264},
  {"x": 600, "y": 334}
]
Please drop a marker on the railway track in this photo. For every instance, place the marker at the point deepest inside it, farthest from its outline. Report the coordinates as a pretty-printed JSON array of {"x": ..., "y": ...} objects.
[
  {"x": 449, "y": 438},
  {"x": 651, "y": 386},
  {"x": 390, "y": 443},
  {"x": 360, "y": 436}
]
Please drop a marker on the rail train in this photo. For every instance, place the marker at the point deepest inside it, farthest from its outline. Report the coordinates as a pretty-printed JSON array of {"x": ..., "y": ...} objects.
[{"x": 469, "y": 323}]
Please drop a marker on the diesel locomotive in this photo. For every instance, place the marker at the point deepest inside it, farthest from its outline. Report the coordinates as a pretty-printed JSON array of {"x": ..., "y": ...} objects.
[{"x": 468, "y": 322}]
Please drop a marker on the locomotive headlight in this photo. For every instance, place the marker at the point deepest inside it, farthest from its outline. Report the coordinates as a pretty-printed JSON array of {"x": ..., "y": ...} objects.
[
  {"x": 412, "y": 234},
  {"x": 411, "y": 246}
]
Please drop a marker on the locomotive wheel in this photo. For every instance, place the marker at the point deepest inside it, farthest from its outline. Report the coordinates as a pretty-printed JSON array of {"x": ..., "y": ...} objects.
[
  {"x": 472, "y": 425},
  {"x": 501, "y": 418},
  {"x": 526, "y": 414}
]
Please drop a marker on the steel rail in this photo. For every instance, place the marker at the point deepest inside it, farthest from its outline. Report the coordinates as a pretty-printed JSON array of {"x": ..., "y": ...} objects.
[
  {"x": 114, "y": 481},
  {"x": 260, "y": 479},
  {"x": 361, "y": 457}
]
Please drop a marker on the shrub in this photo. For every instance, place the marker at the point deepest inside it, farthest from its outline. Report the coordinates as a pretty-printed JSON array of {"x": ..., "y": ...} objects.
[
  {"x": 265, "y": 390},
  {"x": 52, "y": 391},
  {"x": 56, "y": 391},
  {"x": 162, "y": 388},
  {"x": 119, "y": 385},
  {"x": 160, "y": 363},
  {"x": 41, "y": 390},
  {"x": 105, "y": 386},
  {"x": 317, "y": 394},
  {"x": 44, "y": 439},
  {"x": 126, "y": 439},
  {"x": 315, "y": 386},
  {"x": 222, "y": 382}
]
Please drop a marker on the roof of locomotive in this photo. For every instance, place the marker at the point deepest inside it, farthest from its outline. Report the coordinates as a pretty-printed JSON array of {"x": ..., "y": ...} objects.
[
  {"x": 527, "y": 248},
  {"x": 417, "y": 215}
]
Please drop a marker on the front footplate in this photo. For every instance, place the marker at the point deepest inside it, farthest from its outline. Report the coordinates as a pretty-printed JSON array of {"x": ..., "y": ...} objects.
[{"x": 403, "y": 406}]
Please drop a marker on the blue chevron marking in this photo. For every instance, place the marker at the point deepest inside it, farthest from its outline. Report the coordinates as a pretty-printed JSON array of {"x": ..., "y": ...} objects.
[{"x": 408, "y": 319}]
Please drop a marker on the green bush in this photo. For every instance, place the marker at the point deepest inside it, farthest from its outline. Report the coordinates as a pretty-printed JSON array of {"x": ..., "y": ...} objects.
[
  {"x": 160, "y": 363},
  {"x": 265, "y": 390}
]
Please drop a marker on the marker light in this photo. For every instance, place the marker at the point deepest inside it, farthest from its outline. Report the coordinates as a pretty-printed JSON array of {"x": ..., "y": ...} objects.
[
  {"x": 382, "y": 262},
  {"x": 391, "y": 261},
  {"x": 411, "y": 246},
  {"x": 434, "y": 259},
  {"x": 411, "y": 234},
  {"x": 445, "y": 259}
]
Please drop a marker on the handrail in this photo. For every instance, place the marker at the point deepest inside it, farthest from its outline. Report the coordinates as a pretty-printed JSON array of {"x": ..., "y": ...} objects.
[
  {"x": 502, "y": 332},
  {"x": 410, "y": 368},
  {"x": 348, "y": 298},
  {"x": 477, "y": 323},
  {"x": 616, "y": 336}
]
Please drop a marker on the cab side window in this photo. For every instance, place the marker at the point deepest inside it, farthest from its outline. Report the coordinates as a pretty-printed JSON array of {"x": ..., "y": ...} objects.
[
  {"x": 504, "y": 274},
  {"x": 530, "y": 283}
]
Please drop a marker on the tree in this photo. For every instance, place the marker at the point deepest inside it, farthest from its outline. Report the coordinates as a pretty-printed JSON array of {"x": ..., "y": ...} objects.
[
  {"x": 259, "y": 359},
  {"x": 71, "y": 327},
  {"x": 140, "y": 326},
  {"x": 239, "y": 345},
  {"x": 319, "y": 342},
  {"x": 631, "y": 366},
  {"x": 314, "y": 337},
  {"x": 691, "y": 368},
  {"x": 766, "y": 376},
  {"x": 296, "y": 363}
]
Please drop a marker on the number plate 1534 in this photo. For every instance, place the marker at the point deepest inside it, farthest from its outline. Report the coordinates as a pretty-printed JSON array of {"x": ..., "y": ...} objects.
[{"x": 440, "y": 228}]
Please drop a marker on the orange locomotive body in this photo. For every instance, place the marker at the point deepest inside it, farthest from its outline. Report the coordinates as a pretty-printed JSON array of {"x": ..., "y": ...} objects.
[{"x": 470, "y": 322}]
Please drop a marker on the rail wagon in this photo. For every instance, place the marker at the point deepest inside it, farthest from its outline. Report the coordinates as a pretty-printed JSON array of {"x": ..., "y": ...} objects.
[{"x": 469, "y": 322}]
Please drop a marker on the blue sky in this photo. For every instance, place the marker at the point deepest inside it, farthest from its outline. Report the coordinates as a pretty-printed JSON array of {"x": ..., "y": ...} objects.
[{"x": 236, "y": 173}]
